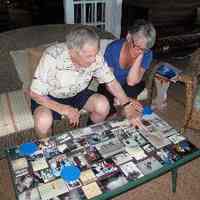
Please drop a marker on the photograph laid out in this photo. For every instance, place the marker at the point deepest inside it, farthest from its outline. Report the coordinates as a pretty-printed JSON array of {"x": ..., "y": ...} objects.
[{"x": 101, "y": 158}]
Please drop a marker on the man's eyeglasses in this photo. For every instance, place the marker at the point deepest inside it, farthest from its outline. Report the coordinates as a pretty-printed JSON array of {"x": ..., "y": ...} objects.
[{"x": 134, "y": 46}]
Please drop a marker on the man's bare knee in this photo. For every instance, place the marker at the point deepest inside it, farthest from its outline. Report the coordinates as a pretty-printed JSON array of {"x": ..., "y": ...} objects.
[
  {"x": 102, "y": 105},
  {"x": 43, "y": 120},
  {"x": 98, "y": 106}
]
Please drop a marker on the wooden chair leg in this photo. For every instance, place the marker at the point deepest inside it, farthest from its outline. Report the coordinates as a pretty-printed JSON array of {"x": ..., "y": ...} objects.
[{"x": 190, "y": 85}]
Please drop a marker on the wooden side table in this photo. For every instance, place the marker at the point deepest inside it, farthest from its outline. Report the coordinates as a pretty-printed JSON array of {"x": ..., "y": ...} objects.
[{"x": 162, "y": 84}]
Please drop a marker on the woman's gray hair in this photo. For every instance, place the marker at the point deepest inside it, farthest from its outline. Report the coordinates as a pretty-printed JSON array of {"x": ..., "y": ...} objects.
[
  {"x": 145, "y": 28},
  {"x": 81, "y": 35}
]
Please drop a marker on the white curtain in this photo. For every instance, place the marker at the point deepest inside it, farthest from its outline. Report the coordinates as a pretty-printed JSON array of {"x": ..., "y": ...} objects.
[{"x": 113, "y": 16}]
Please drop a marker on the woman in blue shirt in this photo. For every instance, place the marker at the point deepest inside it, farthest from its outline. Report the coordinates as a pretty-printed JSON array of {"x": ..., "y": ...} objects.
[{"x": 129, "y": 59}]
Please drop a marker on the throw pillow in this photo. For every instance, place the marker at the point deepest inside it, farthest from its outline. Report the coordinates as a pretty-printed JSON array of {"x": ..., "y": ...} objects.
[
  {"x": 34, "y": 55},
  {"x": 25, "y": 62}
]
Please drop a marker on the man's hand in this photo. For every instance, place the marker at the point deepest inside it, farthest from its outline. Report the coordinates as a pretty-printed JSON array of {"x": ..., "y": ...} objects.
[{"x": 72, "y": 114}]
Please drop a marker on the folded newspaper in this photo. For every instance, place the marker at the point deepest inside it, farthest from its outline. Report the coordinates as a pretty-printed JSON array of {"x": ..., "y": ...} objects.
[{"x": 169, "y": 71}]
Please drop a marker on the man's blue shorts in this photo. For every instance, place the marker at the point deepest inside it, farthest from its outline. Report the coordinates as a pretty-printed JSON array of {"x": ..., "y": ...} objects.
[{"x": 77, "y": 101}]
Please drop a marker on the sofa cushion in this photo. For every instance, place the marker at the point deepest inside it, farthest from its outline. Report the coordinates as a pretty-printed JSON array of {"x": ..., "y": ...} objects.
[
  {"x": 25, "y": 62},
  {"x": 15, "y": 115},
  {"x": 34, "y": 54}
]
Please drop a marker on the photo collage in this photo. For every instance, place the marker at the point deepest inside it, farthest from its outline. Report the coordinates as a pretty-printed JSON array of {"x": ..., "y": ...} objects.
[{"x": 108, "y": 155}]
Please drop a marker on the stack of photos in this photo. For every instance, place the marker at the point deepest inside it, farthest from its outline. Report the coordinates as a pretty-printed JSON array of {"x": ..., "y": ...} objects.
[
  {"x": 108, "y": 156},
  {"x": 119, "y": 123},
  {"x": 87, "y": 177},
  {"x": 133, "y": 148},
  {"x": 121, "y": 158},
  {"x": 65, "y": 144},
  {"x": 79, "y": 160},
  {"x": 149, "y": 165},
  {"x": 161, "y": 124},
  {"x": 148, "y": 148},
  {"x": 24, "y": 182},
  {"x": 91, "y": 190},
  {"x": 45, "y": 174},
  {"x": 131, "y": 171},
  {"x": 183, "y": 147},
  {"x": 20, "y": 166},
  {"x": 104, "y": 169},
  {"x": 47, "y": 148},
  {"x": 110, "y": 147},
  {"x": 130, "y": 131},
  {"x": 58, "y": 162},
  {"x": 52, "y": 189},
  {"x": 29, "y": 194},
  {"x": 92, "y": 155},
  {"x": 176, "y": 138},
  {"x": 113, "y": 182},
  {"x": 167, "y": 155},
  {"x": 39, "y": 164},
  {"x": 81, "y": 133},
  {"x": 74, "y": 184},
  {"x": 155, "y": 137}
]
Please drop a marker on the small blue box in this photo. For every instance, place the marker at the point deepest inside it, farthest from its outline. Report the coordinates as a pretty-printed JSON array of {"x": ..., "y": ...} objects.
[{"x": 147, "y": 110}]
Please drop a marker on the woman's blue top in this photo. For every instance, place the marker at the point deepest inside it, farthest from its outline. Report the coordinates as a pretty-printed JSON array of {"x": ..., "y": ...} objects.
[{"x": 112, "y": 55}]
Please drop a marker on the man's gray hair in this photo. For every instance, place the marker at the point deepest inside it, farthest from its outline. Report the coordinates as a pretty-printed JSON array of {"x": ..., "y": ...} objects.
[
  {"x": 81, "y": 35},
  {"x": 145, "y": 28}
]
